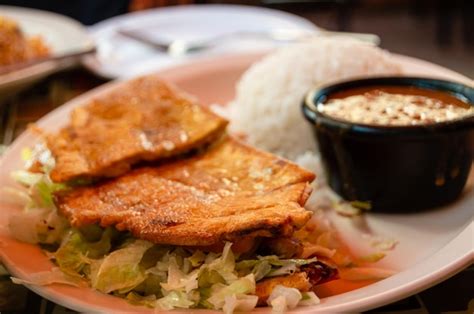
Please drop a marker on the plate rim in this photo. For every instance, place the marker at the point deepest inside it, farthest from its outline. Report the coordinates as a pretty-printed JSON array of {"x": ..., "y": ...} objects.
[{"x": 203, "y": 6}]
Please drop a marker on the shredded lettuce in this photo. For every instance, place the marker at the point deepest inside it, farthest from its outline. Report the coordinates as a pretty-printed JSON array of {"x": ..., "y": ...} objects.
[
  {"x": 38, "y": 226},
  {"x": 25, "y": 226},
  {"x": 309, "y": 298},
  {"x": 239, "y": 303},
  {"x": 163, "y": 277},
  {"x": 40, "y": 187},
  {"x": 197, "y": 259},
  {"x": 271, "y": 266},
  {"x": 167, "y": 277},
  {"x": 158, "y": 276},
  {"x": 72, "y": 256},
  {"x": 151, "y": 285},
  {"x": 224, "y": 265},
  {"x": 39, "y": 223},
  {"x": 208, "y": 277},
  {"x": 283, "y": 298},
  {"x": 287, "y": 269},
  {"x": 26, "y": 178},
  {"x": 245, "y": 285},
  {"x": 41, "y": 154},
  {"x": 179, "y": 280},
  {"x": 135, "y": 298},
  {"x": 262, "y": 269},
  {"x": 174, "y": 299},
  {"x": 120, "y": 270},
  {"x": 203, "y": 280},
  {"x": 278, "y": 305}
]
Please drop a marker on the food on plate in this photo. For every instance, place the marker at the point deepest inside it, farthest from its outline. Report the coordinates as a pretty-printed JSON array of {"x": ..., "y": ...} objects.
[
  {"x": 267, "y": 106},
  {"x": 229, "y": 191},
  {"x": 394, "y": 106},
  {"x": 304, "y": 280},
  {"x": 144, "y": 119},
  {"x": 214, "y": 228},
  {"x": 16, "y": 47},
  {"x": 409, "y": 122}
]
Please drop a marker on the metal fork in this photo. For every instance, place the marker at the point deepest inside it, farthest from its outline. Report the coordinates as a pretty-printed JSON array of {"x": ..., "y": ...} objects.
[
  {"x": 64, "y": 58},
  {"x": 180, "y": 47}
]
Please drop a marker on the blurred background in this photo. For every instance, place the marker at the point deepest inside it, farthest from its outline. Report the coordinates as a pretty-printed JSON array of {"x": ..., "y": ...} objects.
[{"x": 441, "y": 31}]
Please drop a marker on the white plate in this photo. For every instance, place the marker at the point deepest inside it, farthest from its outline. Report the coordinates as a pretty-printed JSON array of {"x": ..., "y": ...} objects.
[
  {"x": 119, "y": 56},
  {"x": 432, "y": 245},
  {"x": 62, "y": 34}
]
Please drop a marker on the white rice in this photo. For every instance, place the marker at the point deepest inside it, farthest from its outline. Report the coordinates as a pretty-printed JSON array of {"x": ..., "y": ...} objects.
[{"x": 267, "y": 107}]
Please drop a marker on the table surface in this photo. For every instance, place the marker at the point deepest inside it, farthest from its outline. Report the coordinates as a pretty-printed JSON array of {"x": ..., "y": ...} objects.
[{"x": 455, "y": 295}]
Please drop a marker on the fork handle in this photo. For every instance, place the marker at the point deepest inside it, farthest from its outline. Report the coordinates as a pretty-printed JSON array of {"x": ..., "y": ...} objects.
[{"x": 57, "y": 58}]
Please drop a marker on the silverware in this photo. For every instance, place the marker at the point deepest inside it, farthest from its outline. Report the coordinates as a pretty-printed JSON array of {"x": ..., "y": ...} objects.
[
  {"x": 64, "y": 58},
  {"x": 180, "y": 47}
]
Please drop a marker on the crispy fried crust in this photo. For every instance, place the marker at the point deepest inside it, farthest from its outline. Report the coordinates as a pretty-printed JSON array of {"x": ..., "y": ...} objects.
[
  {"x": 227, "y": 192},
  {"x": 144, "y": 119}
]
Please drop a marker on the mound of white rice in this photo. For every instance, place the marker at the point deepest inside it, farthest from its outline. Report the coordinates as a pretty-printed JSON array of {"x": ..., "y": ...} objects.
[{"x": 267, "y": 107}]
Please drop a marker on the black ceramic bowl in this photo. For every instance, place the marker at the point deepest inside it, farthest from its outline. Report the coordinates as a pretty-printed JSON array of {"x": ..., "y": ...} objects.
[{"x": 395, "y": 168}]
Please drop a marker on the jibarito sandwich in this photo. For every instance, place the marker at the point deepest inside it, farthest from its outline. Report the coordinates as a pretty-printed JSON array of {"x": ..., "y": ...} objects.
[{"x": 144, "y": 196}]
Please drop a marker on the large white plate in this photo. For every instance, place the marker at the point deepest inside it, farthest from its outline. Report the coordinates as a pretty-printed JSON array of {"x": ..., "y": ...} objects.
[
  {"x": 432, "y": 245},
  {"x": 62, "y": 34},
  {"x": 119, "y": 56}
]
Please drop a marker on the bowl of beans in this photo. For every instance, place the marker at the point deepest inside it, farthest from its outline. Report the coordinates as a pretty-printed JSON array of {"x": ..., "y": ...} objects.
[{"x": 396, "y": 143}]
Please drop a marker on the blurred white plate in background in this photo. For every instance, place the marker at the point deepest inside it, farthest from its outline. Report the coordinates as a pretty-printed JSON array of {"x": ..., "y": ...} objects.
[
  {"x": 62, "y": 35},
  {"x": 120, "y": 56}
]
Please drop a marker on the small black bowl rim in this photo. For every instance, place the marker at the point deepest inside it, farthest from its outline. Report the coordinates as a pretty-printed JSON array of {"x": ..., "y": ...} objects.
[{"x": 320, "y": 93}]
